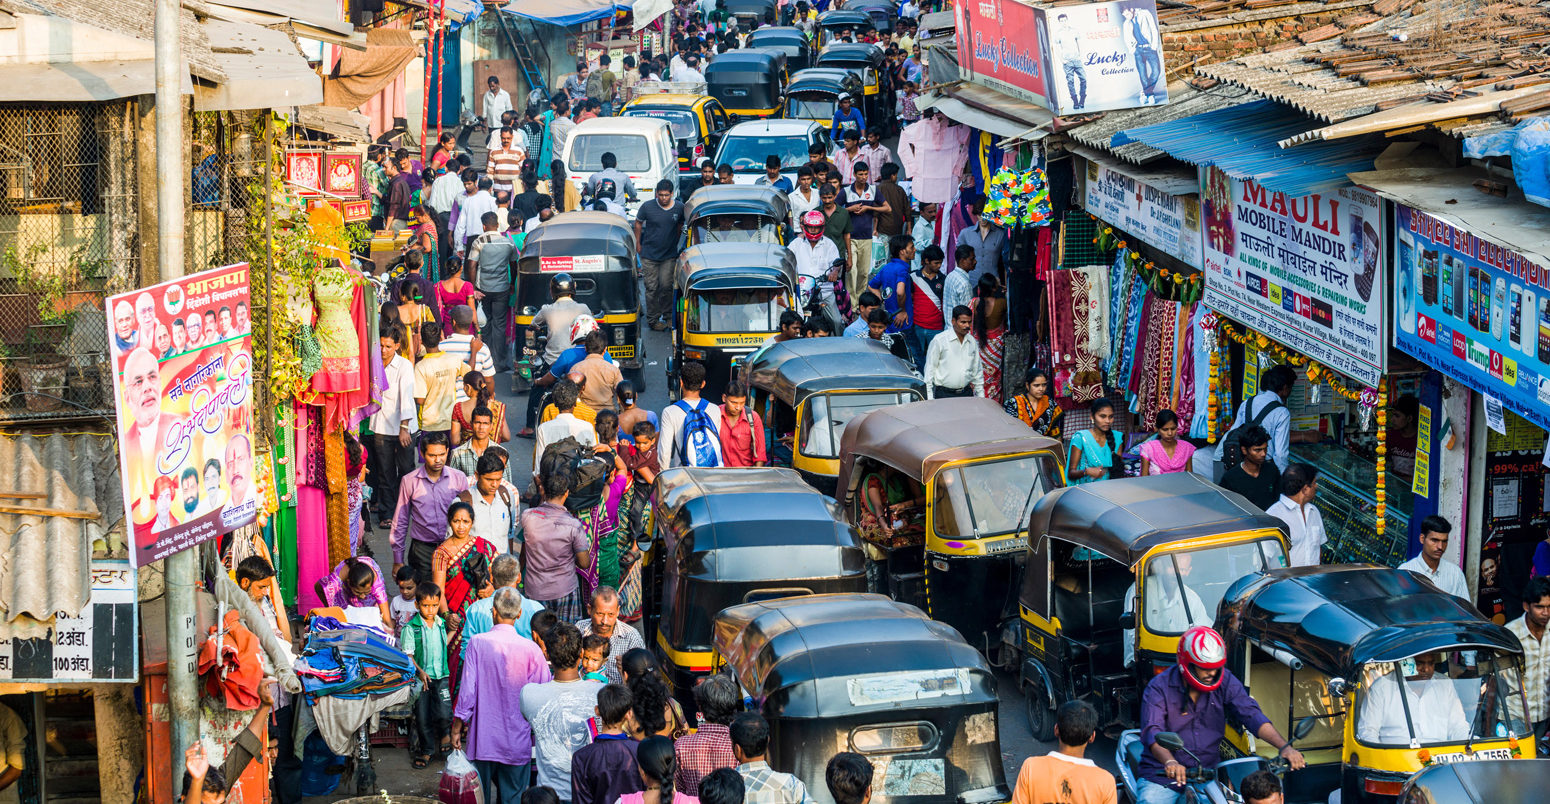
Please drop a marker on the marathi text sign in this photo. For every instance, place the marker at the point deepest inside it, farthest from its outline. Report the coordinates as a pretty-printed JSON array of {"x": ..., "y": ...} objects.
[
  {"x": 99, "y": 643},
  {"x": 1475, "y": 311},
  {"x": 183, "y": 356},
  {"x": 1170, "y": 223}
]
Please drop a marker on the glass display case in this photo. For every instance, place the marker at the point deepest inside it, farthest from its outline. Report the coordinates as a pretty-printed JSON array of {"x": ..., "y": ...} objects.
[{"x": 1347, "y": 498}]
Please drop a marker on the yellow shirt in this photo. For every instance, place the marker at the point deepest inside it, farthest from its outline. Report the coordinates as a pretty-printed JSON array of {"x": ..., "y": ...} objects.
[
  {"x": 436, "y": 380},
  {"x": 581, "y": 412}
]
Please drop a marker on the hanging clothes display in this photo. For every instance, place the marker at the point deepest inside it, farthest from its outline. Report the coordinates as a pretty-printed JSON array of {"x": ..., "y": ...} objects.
[
  {"x": 933, "y": 152},
  {"x": 1079, "y": 338}
]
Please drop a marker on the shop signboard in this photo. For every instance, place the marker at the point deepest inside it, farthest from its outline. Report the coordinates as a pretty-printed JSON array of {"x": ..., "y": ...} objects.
[
  {"x": 99, "y": 643},
  {"x": 1475, "y": 311},
  {"x": 1305, "y": 271},
  {"x": 1089, "y": 57},
  {"x": 1167, "y": 222},
  {"x": 183, "y": 360}
]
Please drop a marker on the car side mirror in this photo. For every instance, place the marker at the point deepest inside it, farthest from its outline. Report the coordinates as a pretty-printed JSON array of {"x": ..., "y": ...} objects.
[
  {"x": 1338, "y": 687},
  {"x": 1170, "y": 740},
  {"x": 1304, "y": 727},
  {"x": 1128, "y": 620}
]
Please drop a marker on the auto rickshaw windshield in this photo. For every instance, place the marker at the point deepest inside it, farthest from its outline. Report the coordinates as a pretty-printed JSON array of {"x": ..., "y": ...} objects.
[
  {"x": 748, "y": 310},
  {"x": 682, "y": 121},
  {"x": 811, "y": 106},
  {"x": 825, "y": 416},
  {"x": 1449, "y": 696},
  {"x": 743, "y": 227},
  {"x": 991, "y": 498},
  {"x": 1184, "y": 588}
]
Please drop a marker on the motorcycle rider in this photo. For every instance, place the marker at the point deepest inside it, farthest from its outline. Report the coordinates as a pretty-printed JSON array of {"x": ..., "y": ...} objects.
[
  {"x": 1195, "y": 699},
  {"x": 816, "y": 256},
  {"x": 610, "y": 173},
  {"x": 556, "y": 317}
]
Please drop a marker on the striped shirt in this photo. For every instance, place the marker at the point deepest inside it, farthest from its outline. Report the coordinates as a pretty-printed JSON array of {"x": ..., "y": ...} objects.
[
  {"x": 505, "y": 164},
  {"x": 458, "y": 346},
  {"x": 1536, "y": 668}
]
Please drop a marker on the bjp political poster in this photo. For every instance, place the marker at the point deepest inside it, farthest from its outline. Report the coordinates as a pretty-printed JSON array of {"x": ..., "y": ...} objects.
[{"x": 183, "y": 355}]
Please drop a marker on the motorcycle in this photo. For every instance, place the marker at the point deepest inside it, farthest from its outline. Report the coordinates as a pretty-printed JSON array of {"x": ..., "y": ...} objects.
[
  {"x": 531, "y": 365},
  {"x": 1218, "y": 785}
]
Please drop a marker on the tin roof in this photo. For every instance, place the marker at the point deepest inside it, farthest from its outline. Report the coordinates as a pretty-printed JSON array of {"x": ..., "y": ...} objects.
[{"x": 1185, "y": 99}]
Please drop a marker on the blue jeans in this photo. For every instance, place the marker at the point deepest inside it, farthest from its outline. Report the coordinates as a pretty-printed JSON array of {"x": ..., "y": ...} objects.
[
  {"x": 919, "y": 340},
  {"x": 1150, "y": 792},
  {"x": 503, "y": 784}
]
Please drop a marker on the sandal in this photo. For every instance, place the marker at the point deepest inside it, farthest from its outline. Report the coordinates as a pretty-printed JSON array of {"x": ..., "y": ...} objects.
[{"x": 421, "y": 762}]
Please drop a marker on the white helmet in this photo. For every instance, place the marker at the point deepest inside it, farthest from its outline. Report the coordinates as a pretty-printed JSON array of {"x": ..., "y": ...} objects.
[{"x": 583, "y": 326}]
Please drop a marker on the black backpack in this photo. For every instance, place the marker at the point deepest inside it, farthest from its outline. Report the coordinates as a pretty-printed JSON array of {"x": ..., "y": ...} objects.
[
  {"x": 1231, "y": 454},
  {"x": 589, "y": 473}
]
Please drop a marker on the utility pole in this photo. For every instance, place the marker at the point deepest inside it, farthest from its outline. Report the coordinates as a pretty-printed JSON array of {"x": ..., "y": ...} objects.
[{"x": 181, "y": 569}]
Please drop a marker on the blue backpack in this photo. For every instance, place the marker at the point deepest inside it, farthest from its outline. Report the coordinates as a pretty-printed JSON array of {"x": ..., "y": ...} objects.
[{"x": 701, "y": 444}]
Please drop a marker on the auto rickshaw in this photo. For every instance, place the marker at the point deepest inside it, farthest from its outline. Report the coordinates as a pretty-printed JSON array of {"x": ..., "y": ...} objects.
[
  {"x": 1356, "y": 646},
  {"x": 884, "y": 13},
  {"x": 788, "y": 39},
  {"x": 737, "y": 213},
  {"x": 831, "y": 24},
  {"x": 1483, "y": 781},
  {"x": 868, "y": 63},
  {"x": 598, "y": 250},
  {"x": 749, "y": 82},
  {"x": 867, "y": 674},
  {"x": 749, "y": 13},
  {"x": 728, "y": 298},
  {"x": 809, "y": 389},
  {"x": 1174, "y": 542},
  {"x": 698, "y": 121},
  {"x": 814, "y": 93},
  {"x": 723, "y": 537},
  {"x": 940, "y": 490}
]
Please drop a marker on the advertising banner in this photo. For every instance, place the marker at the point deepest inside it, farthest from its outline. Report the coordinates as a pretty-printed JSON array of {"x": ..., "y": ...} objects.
[
  {"x": 183, "y": 356},
  {"x": 1167, "y": 222},
  {"x": 1091, "y": 57},
  {"x": 1476, "y": 311},
  {"x": 1305, "y": 271}
]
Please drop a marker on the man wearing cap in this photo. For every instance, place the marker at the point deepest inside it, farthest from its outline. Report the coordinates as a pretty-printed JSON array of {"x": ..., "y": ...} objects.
[{"x": 846, "y": 118}]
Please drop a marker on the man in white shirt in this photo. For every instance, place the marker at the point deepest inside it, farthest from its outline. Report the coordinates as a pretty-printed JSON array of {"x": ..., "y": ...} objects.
[
  {"x": 1299, "y": 483},
  {"x": 671, "y": 450},
  {"x": 1530, "y": 629},
  {"x": 460, "y": 345},
  {"x": 445, "y": 190},
  {"x": 1430, "y": 702},
  {"x": 565, "y": 396},
  {"x": 816, "y": 256},
  {"x": 496, "y": 102},
  {"x": 391, "y": 445},
  {"x": 804, "y": 197},
  {"x": 953, "y": 365},
  {"x": 496, "y": 503},
  {"x": 1171, "y": 606},
  {"x": 1275, "y": 385},
  {"x": 1429, "y": 564},
  {"x": 691, "y": 71},
  {"x": 470, "y": 219}
]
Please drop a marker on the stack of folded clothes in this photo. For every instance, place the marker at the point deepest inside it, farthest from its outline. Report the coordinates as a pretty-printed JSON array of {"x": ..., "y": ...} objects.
[{"x": 353, "y": 662}]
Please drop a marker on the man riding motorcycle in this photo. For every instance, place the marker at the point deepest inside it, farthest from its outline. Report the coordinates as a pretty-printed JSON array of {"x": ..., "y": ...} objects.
[
  {"x": 815, "y": 259},
  {"x": 1195, "y": 699},
  {"x": 556, "y": 318}
]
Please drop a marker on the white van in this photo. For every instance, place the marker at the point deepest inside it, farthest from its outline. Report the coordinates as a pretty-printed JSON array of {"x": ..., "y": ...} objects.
[{"x": 643, "y": 147}]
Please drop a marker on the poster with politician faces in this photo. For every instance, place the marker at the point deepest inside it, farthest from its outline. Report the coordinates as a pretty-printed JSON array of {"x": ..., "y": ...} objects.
[{"x": 183, "y": 360}]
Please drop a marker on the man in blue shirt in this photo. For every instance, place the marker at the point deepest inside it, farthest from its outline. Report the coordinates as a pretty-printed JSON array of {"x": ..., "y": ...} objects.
[
  {"x": 846, "y": 118},
  {"x": 772, "y": 177},
  {"x": 865, "y": 304},
  {"x": 891, "y": 283}
]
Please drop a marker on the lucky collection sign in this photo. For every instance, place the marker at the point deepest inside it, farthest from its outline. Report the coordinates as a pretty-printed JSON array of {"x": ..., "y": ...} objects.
[
  {"x": 1305, "y": 271},
  {"x": 183, "y": 360}
]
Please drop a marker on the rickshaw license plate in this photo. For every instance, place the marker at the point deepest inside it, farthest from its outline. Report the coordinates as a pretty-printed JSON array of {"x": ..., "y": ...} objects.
[
  {"x": 622, "y": 352},
  {"x": 1487, "y": 753}
]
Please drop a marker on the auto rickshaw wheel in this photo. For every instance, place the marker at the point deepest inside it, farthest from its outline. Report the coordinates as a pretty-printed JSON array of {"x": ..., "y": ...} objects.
[{"x": 1041, "y": 717}]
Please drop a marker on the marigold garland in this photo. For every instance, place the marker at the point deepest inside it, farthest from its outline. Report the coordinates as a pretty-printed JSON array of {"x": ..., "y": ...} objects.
[
  {"x": 1383, "y": 460},
  {"x": 1315, "y": 373}
]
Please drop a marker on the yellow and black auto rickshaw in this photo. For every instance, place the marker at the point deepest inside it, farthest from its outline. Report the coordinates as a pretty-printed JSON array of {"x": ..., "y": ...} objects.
[
  {"x": 1174, "y": 542},
  {"x": 723, "y": 537},
  {"x": 867, "y": 62},
  {"x": 1399, "y": 674},
  {"x": 737, "y": 213},
  {"x": 697, "y": 121},
  {"x": 1483, "y": 781},
  {"x": 787, "y": 39},
  {"x": 750, "y": 82},
  {"x": 939, "y": 490},
  {"x": 834, "y": 24},
  {"x": 810, "y": 388},
  {"x": 863, "y": 673},
  {"x": 598, "y": 250},
  {"x": 728, "y": 298},
  {"x": 815, "y": 93}
]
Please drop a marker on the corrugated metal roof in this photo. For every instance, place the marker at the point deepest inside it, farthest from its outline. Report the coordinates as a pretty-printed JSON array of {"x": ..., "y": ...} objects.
[
  {"x": 45, "y": 561},
  {"x": 1184, "y": 100},
  {"x": 135, "y": 18},
  {"x": 1241, "y": 141}
]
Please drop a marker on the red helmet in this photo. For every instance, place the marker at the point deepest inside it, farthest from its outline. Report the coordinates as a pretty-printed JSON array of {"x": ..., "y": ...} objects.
[
  {"x": 812, "y": 225},
  {"x": 1201, "y": 648}
]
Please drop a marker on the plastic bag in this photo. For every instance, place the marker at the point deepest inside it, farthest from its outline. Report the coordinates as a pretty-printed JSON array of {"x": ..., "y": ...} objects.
[{"x": 459, "y": 782}]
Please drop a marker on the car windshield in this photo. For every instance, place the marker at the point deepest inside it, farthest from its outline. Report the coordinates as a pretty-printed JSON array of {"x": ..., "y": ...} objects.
[
  {"x": 746, "y": 153},
  {"x": 991, "y": 498},
  {"x": 811, "y": 107},
  {"x": 825, "y": 416},
  {"x": 632, "y": 151},
  {"x": 752, "y": 310},
  {"x": 682, "y": 122},
  {"x": 1449, "y": 696},
  {"x": 739, "y": 228},
  {"x": 1203, "y": 576}
]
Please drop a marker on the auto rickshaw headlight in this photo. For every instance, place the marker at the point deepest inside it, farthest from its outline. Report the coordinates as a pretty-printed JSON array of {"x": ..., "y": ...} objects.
[
  {"x": 618, "y": 335},
  {"x": 694, "y": 354}
]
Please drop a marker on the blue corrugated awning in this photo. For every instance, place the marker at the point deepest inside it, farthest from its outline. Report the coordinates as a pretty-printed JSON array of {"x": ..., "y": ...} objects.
[
  {"x": 1241, "y": 142},
  {"x": 564, "y": 12}
]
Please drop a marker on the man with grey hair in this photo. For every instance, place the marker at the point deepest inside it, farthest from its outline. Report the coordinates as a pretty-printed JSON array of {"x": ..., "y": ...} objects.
[
  {"x": 604, "y": 621},
  {"x": 500, "y": 663},
  {"x": 480, "y": 618},
  {"x": 462, "y": 345}
]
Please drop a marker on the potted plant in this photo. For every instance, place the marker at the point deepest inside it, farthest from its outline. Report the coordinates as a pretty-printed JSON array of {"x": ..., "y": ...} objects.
[{"x": 50, "y": 281}]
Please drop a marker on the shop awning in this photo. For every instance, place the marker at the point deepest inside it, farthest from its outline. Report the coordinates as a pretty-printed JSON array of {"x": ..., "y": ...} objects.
[
  {"x": 1172, "y": 182},
  {"x": 359, "y": 76},
  {"x": 1450, "y": 195},
  {"x": 1241, "y": 141},
  {"x": 264, "y": 70},
  {"x": 342, "y": 124},
  {"x": 989, "y": 110},
  {"x": 563, "y": 12},
  {"x": 319, "y": 21},
  {"x": 81, "y": 81}
]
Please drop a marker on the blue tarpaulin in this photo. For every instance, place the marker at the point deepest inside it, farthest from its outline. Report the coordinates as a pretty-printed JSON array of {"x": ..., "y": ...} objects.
[
  {"x": 1528, "y": 143},
  {"x": 1241, "y": 141},
  {"x": 564, "y": 12}
]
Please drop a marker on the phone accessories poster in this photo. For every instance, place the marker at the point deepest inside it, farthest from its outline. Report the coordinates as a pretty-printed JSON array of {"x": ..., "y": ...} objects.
[{"x": 183, "y": 360}]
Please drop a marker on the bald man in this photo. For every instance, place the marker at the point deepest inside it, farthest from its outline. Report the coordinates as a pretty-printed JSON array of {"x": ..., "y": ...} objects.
[{"x": 125, "y": 336}]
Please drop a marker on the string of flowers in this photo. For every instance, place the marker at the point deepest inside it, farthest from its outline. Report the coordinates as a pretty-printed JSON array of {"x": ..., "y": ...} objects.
[
  {"x": 1209, "y": 323},
  {"x": 1383, "y": 461},
  {"x": 1181, "y": 286},
  {"x": 1317, "y": 374}
]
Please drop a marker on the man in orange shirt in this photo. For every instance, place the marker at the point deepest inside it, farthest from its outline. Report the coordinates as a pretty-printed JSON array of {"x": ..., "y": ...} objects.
[{"x": 1065, "y": 776}]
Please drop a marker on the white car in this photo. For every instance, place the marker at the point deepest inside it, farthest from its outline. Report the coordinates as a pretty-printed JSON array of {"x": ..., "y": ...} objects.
[
  {"x": 746, "y": 147},
  {"x": 643, "y": 147}
]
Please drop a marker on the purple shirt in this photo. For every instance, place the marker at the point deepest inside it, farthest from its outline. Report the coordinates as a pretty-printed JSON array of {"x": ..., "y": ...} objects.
[
  {"x": 422, "y": 508},
  {"x": 551, "y": 539},
  {"x": 1165, "y": 706},
  {"x": 499, "y": 664}
]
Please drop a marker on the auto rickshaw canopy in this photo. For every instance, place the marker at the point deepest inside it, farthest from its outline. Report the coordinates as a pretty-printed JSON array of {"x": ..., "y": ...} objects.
[
  {"x": 832, "y": 80},
  {"x": 793, "y": 370},
  {"x": 1338, "y": 618},
  {"x": 737, "y": 199},
  {"x": 838, "y": 20},
  {"x": 920, "y": 438},
  {"x": 788, "y": 39},
  {"x": 577, "y": 234},
  {"x": 1124, "y": 518},
  {"x": 747, "y": 78},
  {"x": 1479, "y": 782},
  {"x": 736, "y": 266},
  {"x": 832, "y": 655},
  {"x": 852, "y": 53}
]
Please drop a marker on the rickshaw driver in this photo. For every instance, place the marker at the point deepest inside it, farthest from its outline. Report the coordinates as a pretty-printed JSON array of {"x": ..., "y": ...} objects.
[
  {"x": 1194, "y": 699},
  {"x": 1167, "y": 611},
  {"x": 1433, "y": 704}
]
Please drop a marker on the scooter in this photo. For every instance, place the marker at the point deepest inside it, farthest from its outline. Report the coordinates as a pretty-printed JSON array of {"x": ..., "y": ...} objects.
[{"x": 1217, "y": 785}]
